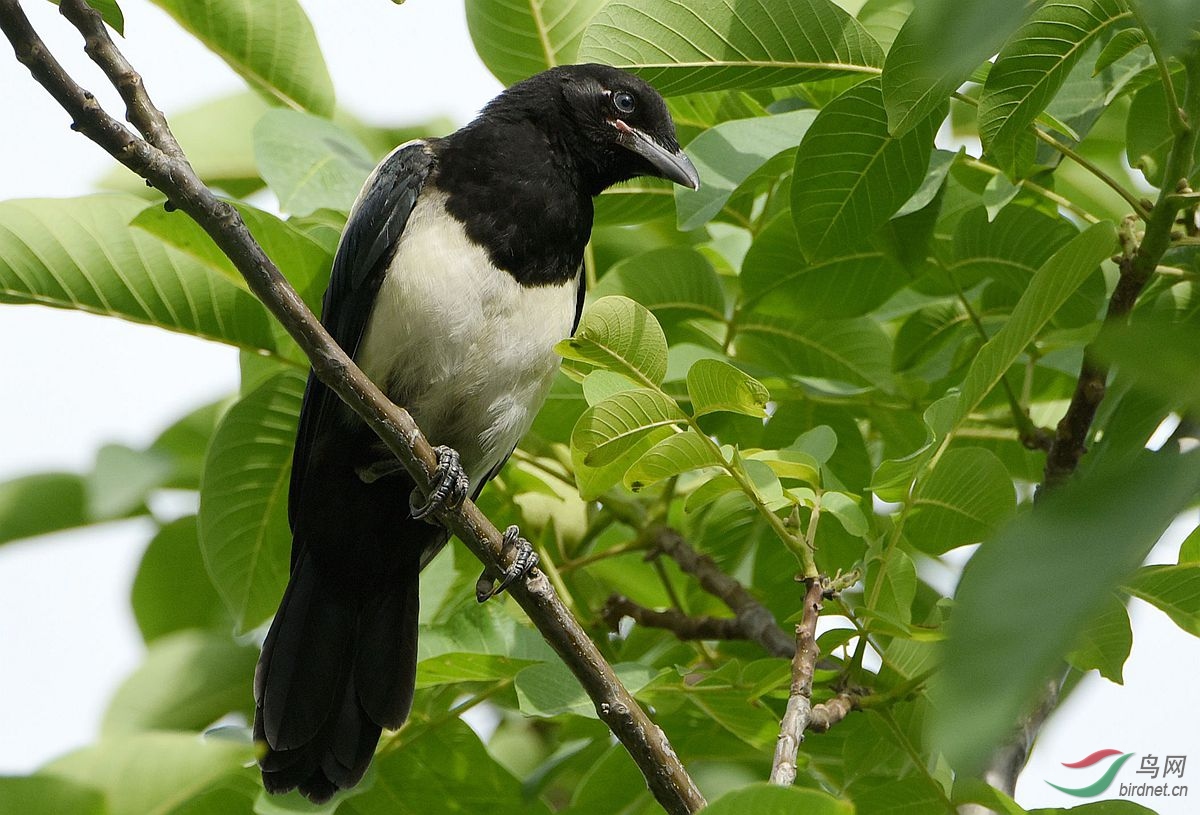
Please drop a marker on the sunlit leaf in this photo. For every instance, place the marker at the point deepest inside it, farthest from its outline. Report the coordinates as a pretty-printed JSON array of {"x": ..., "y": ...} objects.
[
  {"x": 619, "y": 335},
  {"x": 680, "y": 46},
  {"x": 308, "y": 162},
  {"x": 519, "y": 38},
  {"x": 726, "y": 155},
  {"x": 718, "y": 386},
  {"x": 271, "y": 43},
  {"x": 676, "y": 454},
  {"x": 1174, "y": 589},
  {"x": 610, "y": 428},
  {"x": 244, "y": 535},
  {"x": 78, "y": 253}
]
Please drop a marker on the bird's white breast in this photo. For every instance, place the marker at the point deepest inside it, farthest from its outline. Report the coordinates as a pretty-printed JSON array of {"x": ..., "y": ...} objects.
[{"x": 459, "y": 343}]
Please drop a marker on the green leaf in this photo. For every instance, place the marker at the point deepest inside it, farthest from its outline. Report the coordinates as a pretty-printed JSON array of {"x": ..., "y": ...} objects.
[
  {"x": 968, "y": 494},
  {"x": 1032, "y": 67},
  {"x": 680, "y": 46},
  {"x": 110, "y": 12},
  {"x": 550, "y": 689},
  {"x": 450, "y": 669},
  {"x": 187, "y": 681},
  {"x": 728, "y": 154},
  {"x": 122, "y": 478},
  {"x": 308, "y": 162},
  {"x": 270, "y": 43},
  {"x": 883, "y": 19},
  {"x": 37, "y": 504},
  {"x": 777, "y": 280},
  {"x": 154, "y": 772},
  {"x": 171, "y": 591},
  {"x": 847, "y": 511},
  {"x": 622, "y": 336},
  {"x": 607, "y": 430},
  {"x": 301, "y": 259},
  {"x": 853, "y": 351},
  {"x": 79, "y": 253},
  {"x": 1121, "y": 45},
  {"x": 48, "y": 795},
  {"x": 893, "y": 478},
  {"x": 851, "y": 175},
  {"x": 1007, "y": 248},
  {"x": 907, "y": 796},
  {"x": 1053, "y": 283},
  {"x": 1105, "y": 642},
  {"x": 185, "y": 442},
  {"x": 674, "y": 282},
  {"x": 1066, "y": 555},
  {"x": 891, "y": 584},
  {"x": 244, "y": 535},
  {"x": 768, "y": 799},
  {"x": 715, "y": 386},
  {"x": 1174, "y": 24},
  {"x": 519, "y": 38},
  {"x": 1173, "y": 589},
  {"x": 443, "y": 769},
  {"x": 1189, "y": 550},
  {"x": 1148, "y": 134},
  {"x": 921, "y": 72},
  {"x": 676, "y": 454}
]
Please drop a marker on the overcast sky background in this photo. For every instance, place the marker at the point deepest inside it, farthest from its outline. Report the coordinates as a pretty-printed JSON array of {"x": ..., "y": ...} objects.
[{"x": 70, "y": 382}]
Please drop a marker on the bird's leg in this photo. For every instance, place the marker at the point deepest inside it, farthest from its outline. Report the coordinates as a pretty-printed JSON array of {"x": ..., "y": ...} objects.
[
  {"x": 448, "y": 487},
  {"x": 524, "y": 559}
]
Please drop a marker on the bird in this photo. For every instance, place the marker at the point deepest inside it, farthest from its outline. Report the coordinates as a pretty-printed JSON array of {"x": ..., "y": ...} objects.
[{"x": 459, "y": 269}]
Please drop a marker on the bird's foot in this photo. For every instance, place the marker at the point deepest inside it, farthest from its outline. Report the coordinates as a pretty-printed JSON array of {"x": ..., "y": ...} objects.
[
  {"x": 448, "y": 488},
  {"x": 524, "y": 559}
]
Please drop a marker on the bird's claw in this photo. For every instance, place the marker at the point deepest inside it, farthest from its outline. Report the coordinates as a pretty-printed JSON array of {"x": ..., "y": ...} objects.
[
  {"x": 524, "y": 559},
  {"x": 448, "y": 487}
]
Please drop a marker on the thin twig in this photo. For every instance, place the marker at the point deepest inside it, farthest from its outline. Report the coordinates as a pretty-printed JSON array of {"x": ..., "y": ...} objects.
[
  {"x": 755, "y": 621},
  {"x": 684, "y": 626},
  {"x": 665, "y": 775},
  {"x": 799, "y": 704}
]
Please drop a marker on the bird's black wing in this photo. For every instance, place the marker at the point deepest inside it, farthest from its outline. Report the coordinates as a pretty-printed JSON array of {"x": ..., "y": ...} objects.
[{"x": 368, "y": 243}]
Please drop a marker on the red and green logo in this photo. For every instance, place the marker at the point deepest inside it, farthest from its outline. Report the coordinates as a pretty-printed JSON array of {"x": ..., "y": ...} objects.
[{"x": 1102, "y": 783}]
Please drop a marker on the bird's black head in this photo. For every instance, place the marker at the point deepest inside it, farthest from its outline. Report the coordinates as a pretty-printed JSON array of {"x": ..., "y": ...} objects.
[{"x": 613, "y": 125}]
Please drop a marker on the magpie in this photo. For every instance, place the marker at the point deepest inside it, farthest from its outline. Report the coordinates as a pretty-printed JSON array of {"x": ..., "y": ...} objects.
[{"x": 459, "y": 269}]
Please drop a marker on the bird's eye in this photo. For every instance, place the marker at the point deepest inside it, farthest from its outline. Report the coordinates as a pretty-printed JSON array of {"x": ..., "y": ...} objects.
[{"x": 624, "y": 101}]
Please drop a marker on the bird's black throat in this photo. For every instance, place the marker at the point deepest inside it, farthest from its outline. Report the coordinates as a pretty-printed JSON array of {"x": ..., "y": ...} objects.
[{"x": 516, "y": 197}]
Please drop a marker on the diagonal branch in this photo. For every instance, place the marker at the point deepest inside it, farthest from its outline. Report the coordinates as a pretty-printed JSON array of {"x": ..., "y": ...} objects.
[
  {"x": 156, "y": 160},
  {"x": 754, "y": 620}
]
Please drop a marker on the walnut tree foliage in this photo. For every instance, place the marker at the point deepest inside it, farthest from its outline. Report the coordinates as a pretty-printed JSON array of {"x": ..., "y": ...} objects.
[{"x": 845, "y": 355}]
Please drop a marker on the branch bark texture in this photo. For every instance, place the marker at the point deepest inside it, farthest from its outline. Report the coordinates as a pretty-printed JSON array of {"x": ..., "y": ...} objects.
[
  {"x": 799, "y": 706},
  {"x": 158, "y": 159}
]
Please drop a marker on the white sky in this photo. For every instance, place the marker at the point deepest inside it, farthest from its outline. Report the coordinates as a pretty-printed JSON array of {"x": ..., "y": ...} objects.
[{"x": 70, "y": 382}]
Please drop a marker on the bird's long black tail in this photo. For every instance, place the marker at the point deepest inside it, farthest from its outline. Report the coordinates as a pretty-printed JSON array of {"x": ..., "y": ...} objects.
[{"x": 338, "y": 665}]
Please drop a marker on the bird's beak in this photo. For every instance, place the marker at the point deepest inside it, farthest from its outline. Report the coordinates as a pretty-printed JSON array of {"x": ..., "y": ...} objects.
[{"x": 673, "y": 166}]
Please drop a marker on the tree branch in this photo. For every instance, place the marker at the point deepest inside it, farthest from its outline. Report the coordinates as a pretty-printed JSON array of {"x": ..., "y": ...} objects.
[
  {"x": 754, "y": 620},
  {"x": 799, "y": 706},
  {"x": 1137, "y": 264},
  {"x": 156, "y": 160},
  {"x": 684, "y": 626}
]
